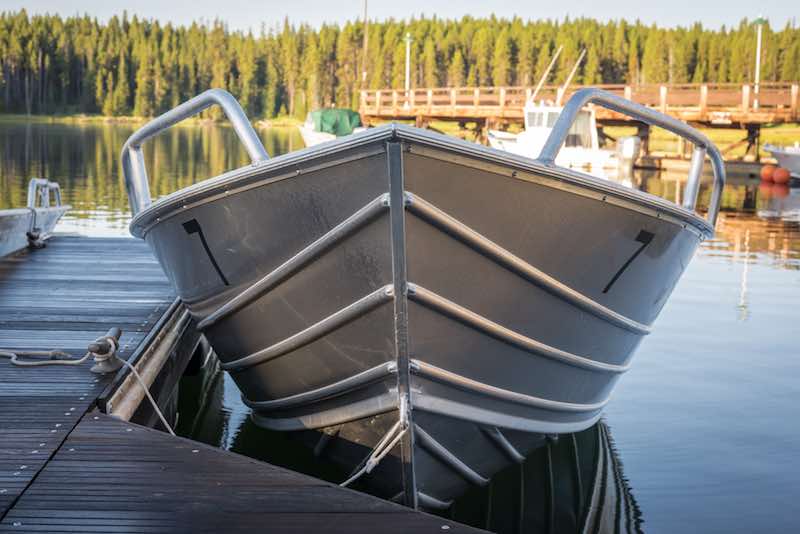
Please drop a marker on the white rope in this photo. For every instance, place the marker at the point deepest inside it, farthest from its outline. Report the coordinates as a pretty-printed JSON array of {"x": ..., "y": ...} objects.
[
  {"x": 150, "y": 397},
  {"x": 54, "y": 356},
  {"x": 383, "y": 447},
  {"x": 57, "y": 357}
]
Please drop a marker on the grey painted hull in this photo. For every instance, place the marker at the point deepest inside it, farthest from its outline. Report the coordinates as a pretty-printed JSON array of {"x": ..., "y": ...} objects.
[{"x": 483, "y": 299}]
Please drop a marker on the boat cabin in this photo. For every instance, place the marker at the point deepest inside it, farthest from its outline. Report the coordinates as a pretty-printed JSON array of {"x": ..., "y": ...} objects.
[{"x": 582, "y": 134}]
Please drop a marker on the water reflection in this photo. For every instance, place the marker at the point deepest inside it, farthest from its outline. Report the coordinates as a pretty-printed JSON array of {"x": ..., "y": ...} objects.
[
  {"x": 84, "y": 159},
  {"x": 573, "y": 484}
]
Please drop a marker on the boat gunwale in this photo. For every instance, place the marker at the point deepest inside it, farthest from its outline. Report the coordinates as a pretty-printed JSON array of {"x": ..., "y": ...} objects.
[{"x": 236, "y": 180}]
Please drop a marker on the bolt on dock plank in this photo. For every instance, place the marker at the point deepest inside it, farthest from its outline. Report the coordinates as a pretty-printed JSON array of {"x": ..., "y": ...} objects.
[{"x": 66, "y": 467}]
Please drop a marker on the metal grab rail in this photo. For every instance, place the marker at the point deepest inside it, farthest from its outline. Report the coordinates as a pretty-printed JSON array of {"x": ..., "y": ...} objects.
[
  {"x": 133, "y": 166},
  {"x": 613, "y": 102},
  {"x": 39, "y": 191}
]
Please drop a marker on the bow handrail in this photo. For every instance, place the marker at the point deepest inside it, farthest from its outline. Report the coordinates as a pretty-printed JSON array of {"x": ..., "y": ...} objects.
[
  {"x": 703, "y": 146},
  {"x": 133, "y": 165}
]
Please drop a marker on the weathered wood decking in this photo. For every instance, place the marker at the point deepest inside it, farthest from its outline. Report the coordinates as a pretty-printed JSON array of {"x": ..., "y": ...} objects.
[
  {"x": 63, "y": 297},
  {"x": 112, "y": 476},
  {"x": 66, "y": 467}
]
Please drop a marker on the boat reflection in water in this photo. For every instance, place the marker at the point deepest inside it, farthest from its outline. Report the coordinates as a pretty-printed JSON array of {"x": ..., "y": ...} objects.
[{"x": 574, "y": 483}]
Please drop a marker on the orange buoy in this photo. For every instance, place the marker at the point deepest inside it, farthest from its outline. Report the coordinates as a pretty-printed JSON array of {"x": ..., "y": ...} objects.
[
  {"x": 767, "y": 172},
  {"x": 781, "y": 176}
]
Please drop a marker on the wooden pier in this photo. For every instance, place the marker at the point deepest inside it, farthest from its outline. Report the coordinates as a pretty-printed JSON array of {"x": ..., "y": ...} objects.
[
  {"x": 723, "y": 105},
  {"x": 67, "y": 467}
]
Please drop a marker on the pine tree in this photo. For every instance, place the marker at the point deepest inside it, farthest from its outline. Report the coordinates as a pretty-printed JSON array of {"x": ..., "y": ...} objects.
[
  {"x": 655, "y": 59},
  {"x": 501, "y": 59},
  {"x": 455, "y": 73},
  {"x": 430, "y": 64},
  {"x": 121, "y": 89},
  {"x": 481, "y": 56}
]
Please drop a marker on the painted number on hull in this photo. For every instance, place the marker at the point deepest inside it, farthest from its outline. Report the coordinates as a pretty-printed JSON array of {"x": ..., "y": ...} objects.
[
  {"x": 644, "y": 238},
  {"x": 193, "y": 227}
]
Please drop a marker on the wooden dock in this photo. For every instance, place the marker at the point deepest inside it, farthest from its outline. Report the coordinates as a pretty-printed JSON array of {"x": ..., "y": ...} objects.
[
  {"x": 724, "y": 105},
  {"x": 67, "y": 467}
]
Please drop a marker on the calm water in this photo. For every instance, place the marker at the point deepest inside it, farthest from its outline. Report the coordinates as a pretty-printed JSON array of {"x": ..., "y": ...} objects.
[{"x": 705, "y": 425}]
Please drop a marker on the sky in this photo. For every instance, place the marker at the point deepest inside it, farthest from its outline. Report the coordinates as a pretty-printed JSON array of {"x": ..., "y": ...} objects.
[{"x": 244, "y": 14}]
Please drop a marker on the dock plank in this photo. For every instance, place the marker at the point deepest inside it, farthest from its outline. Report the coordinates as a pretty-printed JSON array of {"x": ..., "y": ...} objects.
[
  {"x": 113, "y": 476},
  {"x": 62, "y": 297}
]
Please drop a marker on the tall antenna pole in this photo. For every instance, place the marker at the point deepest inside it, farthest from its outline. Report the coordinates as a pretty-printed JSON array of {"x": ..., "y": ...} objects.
[
  {"x": 546, "y": 73},
  {"x": 364, "y": 51},
  {"x": 759, "y": 25},
  {"x": 408, "y": 40}
]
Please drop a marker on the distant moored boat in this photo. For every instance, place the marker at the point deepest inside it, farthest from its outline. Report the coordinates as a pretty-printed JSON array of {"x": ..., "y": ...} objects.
[
  {"x": 788, "y": 157},
  {"x": 431, "y": 307},
  {"x": 327, "y": 124}
]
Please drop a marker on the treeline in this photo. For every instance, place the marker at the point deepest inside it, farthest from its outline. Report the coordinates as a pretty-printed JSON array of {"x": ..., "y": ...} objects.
[{"x": 133, "y": 66}]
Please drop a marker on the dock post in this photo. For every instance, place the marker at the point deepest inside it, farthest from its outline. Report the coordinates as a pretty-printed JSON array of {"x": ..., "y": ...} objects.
[
  {"x": 745, "y": 99},
  {"x": 703, "y": 101},
  {"x": 793, "y": 102},
  {"x": 643, "y": 133},
  {"x": 662, "y": 98}
]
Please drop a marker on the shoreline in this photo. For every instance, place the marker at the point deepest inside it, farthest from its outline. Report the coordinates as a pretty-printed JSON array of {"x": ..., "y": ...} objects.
[{"x": 83, "y": 118}]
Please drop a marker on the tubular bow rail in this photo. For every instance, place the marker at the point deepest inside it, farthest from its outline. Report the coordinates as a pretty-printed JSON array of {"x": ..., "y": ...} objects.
[
  {"x": 133, "y": 165},
  {"x": 39, "y": 193},
  {"x": 650, "y": 116}
]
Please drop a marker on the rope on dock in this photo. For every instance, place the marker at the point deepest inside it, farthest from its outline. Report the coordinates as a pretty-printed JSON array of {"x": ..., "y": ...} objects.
[
  {"x": 55, "y": 357},
  {"x": 104, "y": 349}
]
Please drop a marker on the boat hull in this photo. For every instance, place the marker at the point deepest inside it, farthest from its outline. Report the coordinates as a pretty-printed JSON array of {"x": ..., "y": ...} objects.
[
  {"x": 408, "y": 290},
  {"x": 17, "y": 226},
  {"x": 571, "y": 157},
  {"x": 312, "y": 137},
  {"x": 787, "y": 158}
]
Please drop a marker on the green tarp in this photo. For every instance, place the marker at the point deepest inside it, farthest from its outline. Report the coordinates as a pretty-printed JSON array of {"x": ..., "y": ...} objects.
[{"x": 336, "y": 121}]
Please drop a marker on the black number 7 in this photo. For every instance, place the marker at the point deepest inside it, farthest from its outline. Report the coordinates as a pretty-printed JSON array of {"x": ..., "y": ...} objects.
[
  {"x": 644, "y": 238},
  {"x": 193, "y": 227}
]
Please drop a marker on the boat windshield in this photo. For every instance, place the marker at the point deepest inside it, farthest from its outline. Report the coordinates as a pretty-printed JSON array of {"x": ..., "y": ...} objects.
[
  {"x": 539, "y": 119},
  {"x": 580, "y": 134}
]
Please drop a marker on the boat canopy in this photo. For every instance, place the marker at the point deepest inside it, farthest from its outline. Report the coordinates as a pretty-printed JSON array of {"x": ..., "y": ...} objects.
[{"x": 335, "y": 121}]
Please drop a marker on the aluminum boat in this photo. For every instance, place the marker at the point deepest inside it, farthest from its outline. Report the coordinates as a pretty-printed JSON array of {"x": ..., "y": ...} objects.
[
  {"x": 431, "y": 309},
  {"x": 33, "y": 224}
]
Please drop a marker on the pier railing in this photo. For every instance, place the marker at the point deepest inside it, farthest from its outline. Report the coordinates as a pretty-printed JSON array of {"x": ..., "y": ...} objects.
[{"x": 721, "y": 103}]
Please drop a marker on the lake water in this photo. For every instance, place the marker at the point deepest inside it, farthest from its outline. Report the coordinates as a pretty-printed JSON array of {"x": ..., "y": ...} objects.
[{"x": 702, "y": 435}]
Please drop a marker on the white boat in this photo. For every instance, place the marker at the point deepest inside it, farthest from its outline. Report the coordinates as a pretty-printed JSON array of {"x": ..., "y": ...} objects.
[
  {"x": 581, "y": 149},
  {"x": 328, "y": 124},
  {"x": 788, "y": 157}
]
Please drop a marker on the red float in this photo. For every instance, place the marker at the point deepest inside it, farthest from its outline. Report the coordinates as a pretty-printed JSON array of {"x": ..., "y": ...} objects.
[{"x": 781, "y": 176}]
